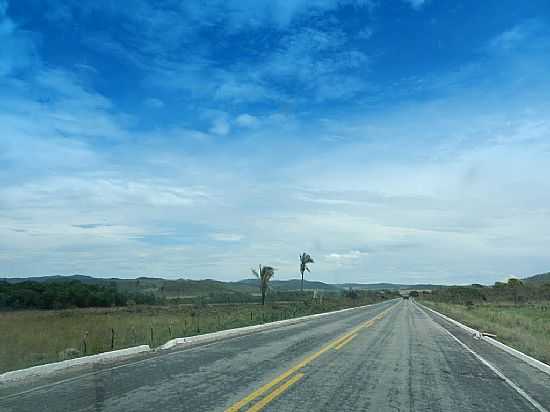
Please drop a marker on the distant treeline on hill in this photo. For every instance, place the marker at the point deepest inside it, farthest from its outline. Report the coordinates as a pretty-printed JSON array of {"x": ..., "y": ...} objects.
[
  {"x": 61, "y": 295},
  {"x": 514, "y": 291}
]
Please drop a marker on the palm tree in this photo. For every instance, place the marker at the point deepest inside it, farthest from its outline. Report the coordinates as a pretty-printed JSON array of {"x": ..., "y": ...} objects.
[
  {"x": 264, "y": 275},
  {"x": 304, "y": 260}
]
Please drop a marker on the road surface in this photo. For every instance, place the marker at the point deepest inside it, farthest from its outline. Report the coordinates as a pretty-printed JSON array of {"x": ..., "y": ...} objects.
[{"x": 392, "y": 356}]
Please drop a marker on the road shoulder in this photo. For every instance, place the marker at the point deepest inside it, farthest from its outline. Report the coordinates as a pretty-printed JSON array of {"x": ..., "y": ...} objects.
[{"x": 530, "y": 379}]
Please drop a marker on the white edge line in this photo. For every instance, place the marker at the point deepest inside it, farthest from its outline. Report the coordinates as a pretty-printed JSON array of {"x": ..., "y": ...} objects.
[
  {"x": 524, "y": 394},
  {"x": 50, "y": 368},
  {"x": 543, "y": 367}
]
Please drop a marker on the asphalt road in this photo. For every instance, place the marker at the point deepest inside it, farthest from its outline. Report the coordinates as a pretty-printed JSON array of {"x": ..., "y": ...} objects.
[{"x": 388, "y": 357}]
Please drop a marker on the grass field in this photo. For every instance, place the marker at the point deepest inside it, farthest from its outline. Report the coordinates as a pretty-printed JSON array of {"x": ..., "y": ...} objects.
[
  {"x": 35, "y": 337},
  {"x": 523, "y": 327}
]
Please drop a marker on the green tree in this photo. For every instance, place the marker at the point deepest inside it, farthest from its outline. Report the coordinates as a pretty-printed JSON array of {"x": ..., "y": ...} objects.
[
  {"x": 304, "y": 260},
  {"x": 514, "y": 283},
  {"x": 264, "y": 275}
]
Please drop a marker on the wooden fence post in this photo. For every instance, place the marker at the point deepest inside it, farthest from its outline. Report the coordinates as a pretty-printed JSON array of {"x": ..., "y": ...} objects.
[{"x": 84, "y": 342}]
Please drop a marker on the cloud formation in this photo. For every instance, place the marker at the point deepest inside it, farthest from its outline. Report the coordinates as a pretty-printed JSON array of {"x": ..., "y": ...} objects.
[
  {"x": 416, "y": 4},
  {"x": 209, "y": 137}
]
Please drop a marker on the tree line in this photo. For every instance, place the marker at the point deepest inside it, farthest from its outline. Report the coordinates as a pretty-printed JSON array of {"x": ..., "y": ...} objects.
[
  {"x": 514, "y": 291},
  {"x": 62, "y": 295}
]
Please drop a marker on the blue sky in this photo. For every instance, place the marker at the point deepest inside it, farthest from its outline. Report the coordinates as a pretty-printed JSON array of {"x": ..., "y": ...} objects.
[{"x": 396, "y": 140}]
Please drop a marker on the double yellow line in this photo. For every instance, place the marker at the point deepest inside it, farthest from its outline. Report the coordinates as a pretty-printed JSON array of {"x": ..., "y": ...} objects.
[
  {"x": 336, "y": 344},
  {"x": 345, "y": 342}
]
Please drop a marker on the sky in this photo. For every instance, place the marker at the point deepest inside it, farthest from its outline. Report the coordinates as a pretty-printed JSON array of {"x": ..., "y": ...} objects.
[{"x": 393, "y": 140}]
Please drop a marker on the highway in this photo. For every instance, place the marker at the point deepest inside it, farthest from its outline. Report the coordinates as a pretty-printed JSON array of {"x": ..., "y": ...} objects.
[{"x": 392, "y": 356}]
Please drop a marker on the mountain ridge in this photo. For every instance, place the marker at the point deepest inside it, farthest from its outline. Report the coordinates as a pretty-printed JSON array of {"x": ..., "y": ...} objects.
[
  {"x": 180, "y": 286},
  {"x": 243, "y": 285}
]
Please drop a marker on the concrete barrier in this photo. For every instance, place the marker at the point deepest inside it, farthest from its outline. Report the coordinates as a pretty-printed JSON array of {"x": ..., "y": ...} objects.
[
  {"x": 42, "y": 370},
  {"x": 247, "y": 330},
  {"x": 478, "y": 335}
]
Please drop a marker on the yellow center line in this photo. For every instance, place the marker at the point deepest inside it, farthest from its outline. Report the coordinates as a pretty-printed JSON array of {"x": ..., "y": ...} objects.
[
  {"x": 276, "y": 393},
  {"x": 260, "y": 391},
  {"x": 277, "y": 380},
  {"x": 345, "y": 342}
]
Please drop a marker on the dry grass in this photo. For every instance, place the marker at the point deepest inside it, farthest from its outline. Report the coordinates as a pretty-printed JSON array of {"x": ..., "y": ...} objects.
[
  {"x": 31, "y": 338},
  {"x": 523, "y": 327}
]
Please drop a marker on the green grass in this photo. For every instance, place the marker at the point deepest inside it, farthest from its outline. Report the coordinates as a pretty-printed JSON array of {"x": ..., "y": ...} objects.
[
  {"x": 523, "y": 327},
  {"x": 36, "y": 337}
]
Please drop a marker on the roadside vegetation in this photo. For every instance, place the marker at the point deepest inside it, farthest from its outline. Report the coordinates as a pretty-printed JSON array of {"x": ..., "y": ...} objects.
[
  {"x": 61, "y": 295},
  {"x": 34, "y": 337},
  {"x": 304, "y": 260},
  {"x": 264, "y": 275},
  {"x": 517, "y": 313}
]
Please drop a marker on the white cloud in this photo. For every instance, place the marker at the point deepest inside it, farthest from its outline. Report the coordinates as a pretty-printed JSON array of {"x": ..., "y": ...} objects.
[
  {"x": 154, "y": 103},
  {"x": 322, "y": 62},
  {"x": 416, "y": 4},
  {"x": 84, "y": 192},
  {"x": 527, "y": 35},
  {"x": 226, "y": 237},
  {"x": 242, "y": 91},
  {"x": 346, "y": 258},
  {"x": 317, "y": 59},
  {"x": 246, "y": 120},
  {"x": 218, "y": 120},
  {"x": 454, "y": 210},
  {"x": 240, "y": 14},
  {"x": 220, "y": 126},
  {"x": 365, "y": 33}
]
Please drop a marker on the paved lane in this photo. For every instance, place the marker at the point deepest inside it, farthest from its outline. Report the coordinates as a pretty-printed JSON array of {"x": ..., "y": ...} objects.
[
  {"x": 203, "y": 378},
  {"x": 389, "y": 357},
  {"x": 406, "y": 362}
]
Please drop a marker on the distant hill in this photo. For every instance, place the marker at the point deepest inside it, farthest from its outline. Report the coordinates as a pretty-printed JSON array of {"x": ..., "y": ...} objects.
[
  {"x": 43, "y": 279},
  {"x": 292, "y": 284},
  {"x": 69, "y": 278},
  {"x": 541, "y": 278},
  {"x": 172, "y": 288},
  {"x": 158, "y": 286},
  {"x": 194, "y": 288},
  {"x": 387, "y": 286}
]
